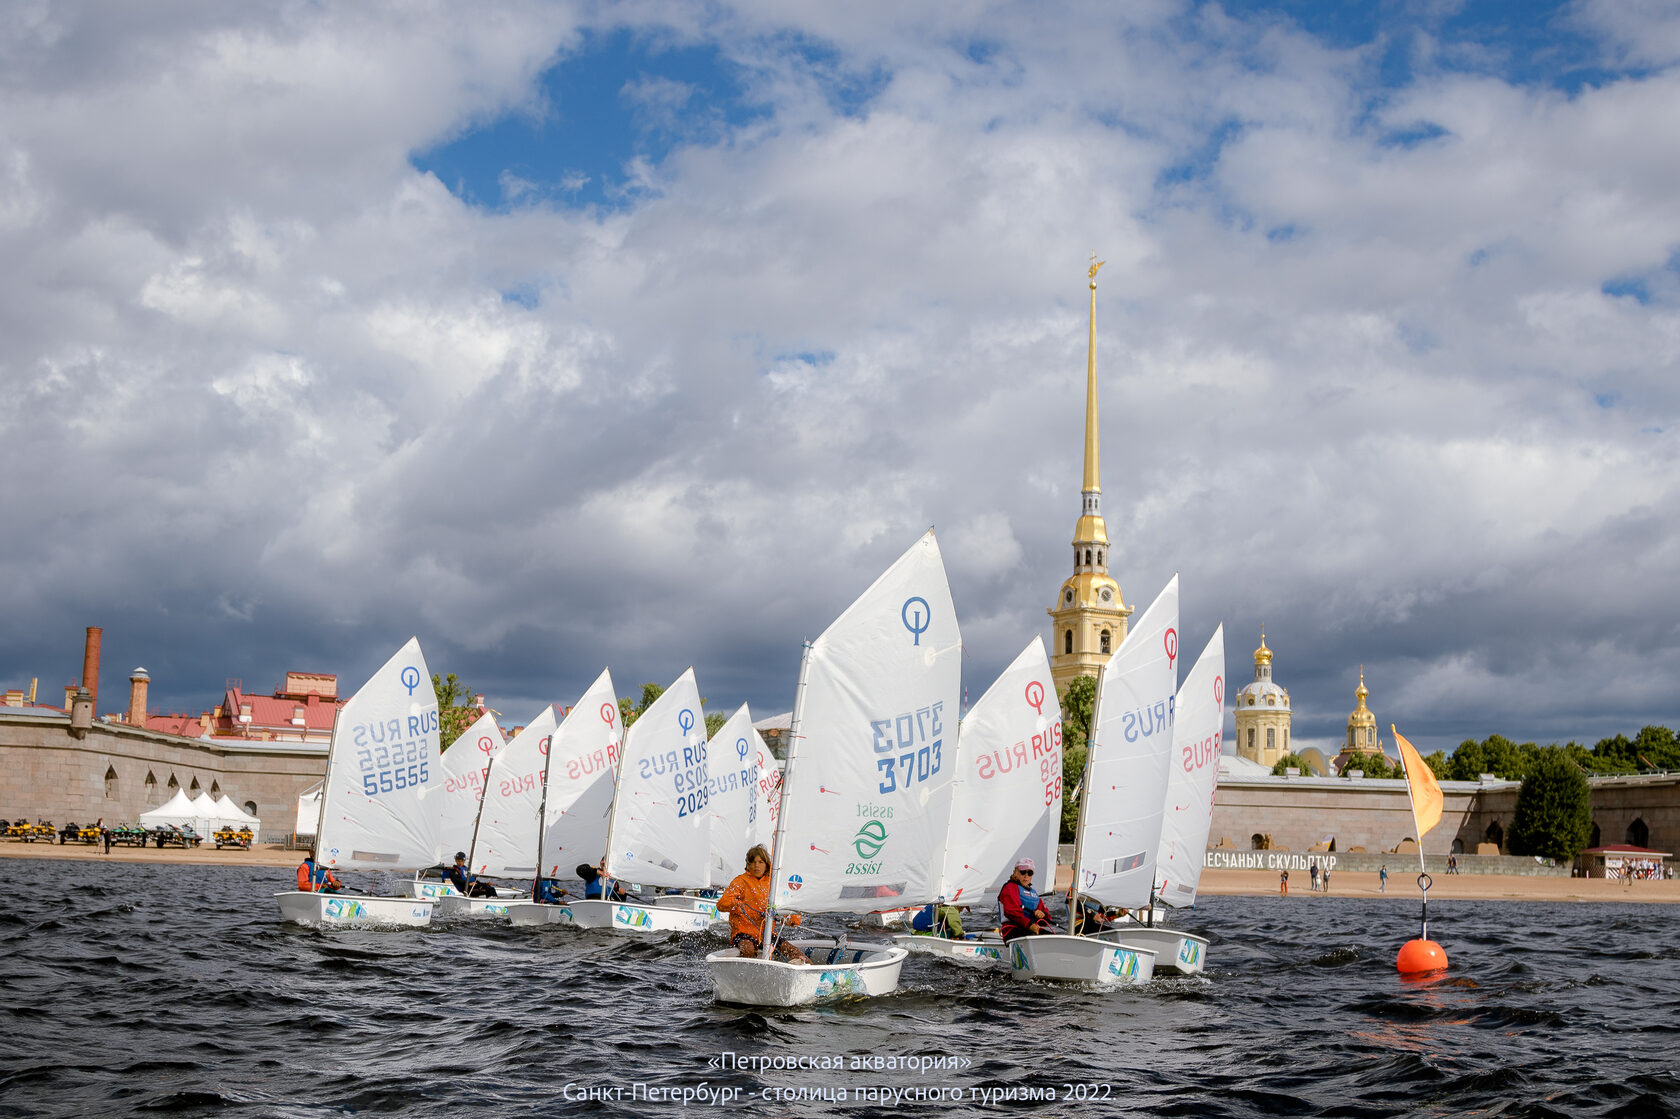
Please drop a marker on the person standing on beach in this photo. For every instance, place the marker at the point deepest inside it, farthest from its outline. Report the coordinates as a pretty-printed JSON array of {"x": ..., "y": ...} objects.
[
  {"x": 1324, "y": 879},
  {"x": 1312, "y": 873},
  {"x": 1283, "y": 883},
  {"x": 1382, "y": 879}
]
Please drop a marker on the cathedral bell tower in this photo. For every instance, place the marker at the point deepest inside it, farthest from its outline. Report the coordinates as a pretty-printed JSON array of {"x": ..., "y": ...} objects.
[{"x": 1088, "y": 621}]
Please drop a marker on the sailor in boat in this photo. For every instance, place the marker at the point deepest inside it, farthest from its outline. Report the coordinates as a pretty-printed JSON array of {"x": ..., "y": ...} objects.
[
  {"x": 467, "y": 885},
  {"x": 938, "y": 919},
  {"x": 746, "y": 900},
  {"x": 549, "y": 891},
  {"x": 317, "y": 879},
  {"x": 596, "y": 884},
  {"x": 1093, "y": 918},
  {"x": 1023, "y": 913}
]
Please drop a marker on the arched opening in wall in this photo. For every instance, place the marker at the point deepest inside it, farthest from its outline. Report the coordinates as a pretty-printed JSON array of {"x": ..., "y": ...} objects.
[
  {"x": 1067, "y": 642},
  {"x": 1087, "y": 557},
  {"x": 151, "y": 788},
  {"x": 1105, "y": 642},
  {"x": 1596, "y": 836},
  {"x": 1457, "y": 846},
  {"x": 1271, "y": 739},
  {"x": 1099, "y": 557},
  {"x": 193, "y": 789},
  {"x": 215, "y": 788},
  {"x": 250, "y": 808},
  {"x": 174, "y": 785},
  {"x": 1638, "y": 834},
  {"x": 110, "y": 781},
  {"x": 1251, "y": 740},
  {"x": 1257, "y": 842},
  {"x": 1496, "y": 835}
]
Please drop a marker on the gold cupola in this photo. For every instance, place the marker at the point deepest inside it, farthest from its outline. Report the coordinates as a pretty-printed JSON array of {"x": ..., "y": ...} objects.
[{"x": 1089, "y": 617}]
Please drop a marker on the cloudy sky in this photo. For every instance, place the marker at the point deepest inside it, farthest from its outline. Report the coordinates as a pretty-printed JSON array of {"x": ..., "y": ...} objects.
[{"x": 647, "y": 334}]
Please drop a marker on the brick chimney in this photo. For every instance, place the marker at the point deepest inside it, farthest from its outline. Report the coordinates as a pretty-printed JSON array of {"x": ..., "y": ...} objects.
[
  {"x": 90, "y": 664},
  {"x": 138, "y": 680}
]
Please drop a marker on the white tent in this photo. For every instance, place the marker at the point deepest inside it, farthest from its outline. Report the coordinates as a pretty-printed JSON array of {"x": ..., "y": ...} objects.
[
  {"x": 231, "y": 815},
  {"x": 180, "y": 811}
]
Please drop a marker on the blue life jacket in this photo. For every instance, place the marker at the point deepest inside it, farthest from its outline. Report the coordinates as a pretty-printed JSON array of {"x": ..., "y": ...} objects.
[
  {"x": 457, "y": 877},
  {"x": 318, "y": 875},
  {"x": 1029, "y": 900},
  {"x": 548, "y": 890},
  {"x": 923, "y": 920},
  {"x": 596, "y": 889}
]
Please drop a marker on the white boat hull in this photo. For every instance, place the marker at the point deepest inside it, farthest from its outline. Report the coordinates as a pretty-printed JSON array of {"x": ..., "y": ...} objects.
[
  {"x": 454, "y": 905},
  {"x": 989, "y": 951},
  {"x": 1180, "y": 952},
  {"x": 418, "y": 888},
  {"x": 353, "y": 909},
  {"x": 849, "y": 972},
  {"x": 618, "y": 916},
  {"x": 1080, "y": 959}
]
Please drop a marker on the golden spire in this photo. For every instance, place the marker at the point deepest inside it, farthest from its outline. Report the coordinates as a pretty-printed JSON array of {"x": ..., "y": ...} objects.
[
  {"x": 1093, "y": 482},
  {"x": 1262, "y": 654},
  {"x": 1362, "y": 691}
]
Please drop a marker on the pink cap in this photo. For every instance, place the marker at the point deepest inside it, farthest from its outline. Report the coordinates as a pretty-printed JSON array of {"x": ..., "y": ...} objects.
[{"x": 1026, "y": 864}]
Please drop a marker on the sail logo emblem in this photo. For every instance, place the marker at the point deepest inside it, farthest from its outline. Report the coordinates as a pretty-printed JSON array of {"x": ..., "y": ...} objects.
[
  {"x": 1123, "y": 964},
  {"x": 485, "y": 745},
  {"x": 741, "y": 748},
  {"x": 685, "y": 720},
  {"x": 411, "y": 678},
  {"x": 1170, "y": 640},
  {"x": 794, "y": 882},
  {"x": 917, "y": 623},
  {"x": 1219, "y": 689},
  {"x": 542, "y": 747},
  {"x": 870, "y": 839},
  {"x": 1035, "y": 696},
  {"x": 608, "y": 713}
]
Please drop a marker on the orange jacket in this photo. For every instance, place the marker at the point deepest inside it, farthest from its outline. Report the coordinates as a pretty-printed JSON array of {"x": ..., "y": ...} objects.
[
  {"x": 745, "y": 901},
  {"x": 307, "y": 886}
]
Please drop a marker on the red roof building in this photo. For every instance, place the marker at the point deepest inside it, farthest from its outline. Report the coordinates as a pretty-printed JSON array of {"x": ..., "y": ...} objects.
[{"x": 301, "y": 710}]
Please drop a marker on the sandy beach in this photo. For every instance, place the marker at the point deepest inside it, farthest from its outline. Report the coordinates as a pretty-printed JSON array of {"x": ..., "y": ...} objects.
[{"x": 1251, "y": 883}]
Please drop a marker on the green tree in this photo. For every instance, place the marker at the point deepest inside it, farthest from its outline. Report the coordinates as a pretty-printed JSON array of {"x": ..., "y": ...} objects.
[
  {"x": 714, "y": 723},
  {"x": 629, "y": 710},
  {"x": 454, "y": 714},
  {"x": 1656, "y": 748},
  {"x": 1079, "y": 700},
  {"x": 1073, "y": 768},
  {"x": 1377, "y": 766},
  {"x": 1438, "y": 765},
  {"x": 1295, "y": 761},
  {"x": 1553, "y": 817}
]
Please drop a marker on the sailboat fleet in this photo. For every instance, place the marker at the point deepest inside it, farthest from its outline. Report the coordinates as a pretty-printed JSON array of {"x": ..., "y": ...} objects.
[{"x": 890, "y": 799}]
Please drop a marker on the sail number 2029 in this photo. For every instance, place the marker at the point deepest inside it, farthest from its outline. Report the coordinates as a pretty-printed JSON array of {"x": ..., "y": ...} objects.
[{"x": 912, "y": 742}]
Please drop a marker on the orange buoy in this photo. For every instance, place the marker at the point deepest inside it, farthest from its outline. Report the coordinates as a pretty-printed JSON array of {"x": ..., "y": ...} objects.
[{"x": 1419, "y": 956}]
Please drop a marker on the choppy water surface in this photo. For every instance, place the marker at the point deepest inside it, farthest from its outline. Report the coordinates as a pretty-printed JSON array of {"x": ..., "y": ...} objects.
[{"x": 137, "y": 989}]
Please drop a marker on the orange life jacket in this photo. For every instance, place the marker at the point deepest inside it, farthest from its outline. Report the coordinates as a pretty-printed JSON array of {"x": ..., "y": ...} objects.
[
  {"x": 304, "y": 882},
  {"x": 745, "y": 901}
]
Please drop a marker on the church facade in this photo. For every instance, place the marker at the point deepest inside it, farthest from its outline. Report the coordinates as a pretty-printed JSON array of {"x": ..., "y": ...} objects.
[{"x": 1263, "y": 714}]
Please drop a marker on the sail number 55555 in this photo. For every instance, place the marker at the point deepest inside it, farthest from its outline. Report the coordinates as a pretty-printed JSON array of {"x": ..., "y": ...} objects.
[{"x": 913, "y": 743}]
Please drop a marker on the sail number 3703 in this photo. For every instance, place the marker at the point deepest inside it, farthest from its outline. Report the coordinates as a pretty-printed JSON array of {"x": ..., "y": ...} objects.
[{"x": 913, "y": 743}]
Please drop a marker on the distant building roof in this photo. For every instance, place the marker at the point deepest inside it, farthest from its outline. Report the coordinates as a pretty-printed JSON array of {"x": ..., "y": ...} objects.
[
  {"x": 775, "y": 722},
  {"x": 1627, "y": 849}
]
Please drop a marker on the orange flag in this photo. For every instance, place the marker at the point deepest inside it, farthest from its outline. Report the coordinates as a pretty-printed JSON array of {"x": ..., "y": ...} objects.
[{"x": 1421, "y": 786}]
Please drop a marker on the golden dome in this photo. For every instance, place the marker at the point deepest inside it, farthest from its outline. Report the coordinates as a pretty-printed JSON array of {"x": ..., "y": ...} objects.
[
  {"x": 1362, "y": 715},
  {"x": 1262, "y": 655}
]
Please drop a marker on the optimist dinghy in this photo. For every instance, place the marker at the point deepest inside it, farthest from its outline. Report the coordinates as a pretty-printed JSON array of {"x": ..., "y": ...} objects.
[
  {"x": 381, "y": 763},
  {"x": 579, "y": 768},
  {"x": 1198, "y": 722},
  {"x": 1007, "y": 800},
  {"x": 867, "y": 790},
  {"x": 1120, "y": 811}
]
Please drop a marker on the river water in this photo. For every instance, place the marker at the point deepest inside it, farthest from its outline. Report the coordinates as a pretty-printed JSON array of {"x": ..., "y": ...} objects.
[{"x": 176, "y": 990}]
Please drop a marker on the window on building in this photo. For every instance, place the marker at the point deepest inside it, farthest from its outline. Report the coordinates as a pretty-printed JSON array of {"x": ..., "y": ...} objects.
[
  {"x": 215, "y": 788},
  {"x": 173, "y": 784},
  {"x": 1286, "y": 740},
  {"x": 1495, "y": 834},
  {"x": 194, "y": 789},
  {"x": 1105, "y": 642},
  {"x": 1067, "y": 642},
  {"x": 1251, "y": 740},
  {"x": 1595, "y": 840},
  {"x": 1087, "y": 557},
  {"x": 250, "y": 808},
  {"x": 1271, "y": 739},
  {"x": 1257, "y": 842},
  {"x": 1638, "y": 834},
  {"x": 1099, "y": 556},
  {"x": 1271, "y": 701},
  {"x": 110, "y": 782},
  {"x": 1370, "y": 736}
]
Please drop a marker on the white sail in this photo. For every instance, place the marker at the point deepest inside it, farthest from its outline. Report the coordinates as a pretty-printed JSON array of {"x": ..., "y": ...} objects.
[
  {"x": 580, "y": 781},
  {"x": 1126, "y": 774},
  {"x": 1008, "y": 782},
  {"x": 734, "y": 758},
  {"x": 868, "y": 790},
  {"x": 382, "y": 762},
  {"x": 508, "y": 823},
  {"x": 457, "y": 800},
  {"x": 661, "y": 829},
  {"x": 1198, "y": 733}
]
